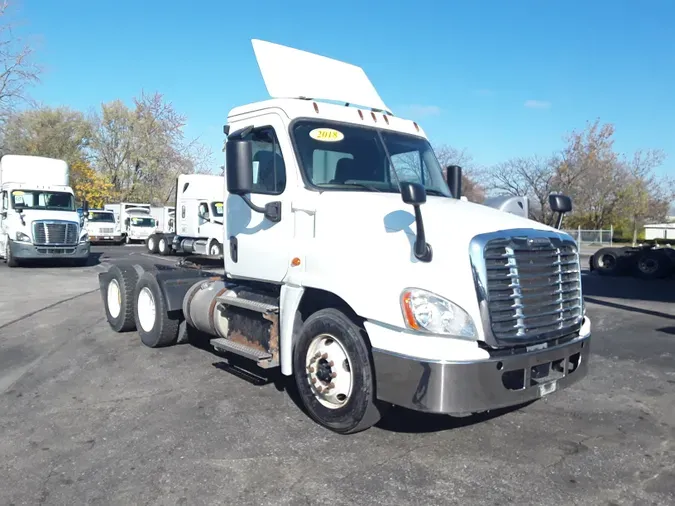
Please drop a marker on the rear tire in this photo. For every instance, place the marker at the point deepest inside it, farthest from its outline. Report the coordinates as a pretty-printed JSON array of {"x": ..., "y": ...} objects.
[
  {"x": 156, "y": 326},
  {"x": 118, "y": 298},
  {"x": 343, "y": 361},
  {"x": 151, "y": 243},
  {"x": 652, "y": 264},
  {"x": 608, "y": 262},
  {"x": 163, "y": 246}
]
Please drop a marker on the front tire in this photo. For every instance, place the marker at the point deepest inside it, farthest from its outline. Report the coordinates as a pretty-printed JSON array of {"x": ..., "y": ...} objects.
[
  {"x": 9, "y": 258},
  {"x": 156, "y": 326},
  {"x": 215, "y": 248},
  {"x": 334, "y": 373}
]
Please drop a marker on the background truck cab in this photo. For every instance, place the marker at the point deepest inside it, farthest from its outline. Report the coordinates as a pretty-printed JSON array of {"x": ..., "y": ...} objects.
[
  {"x": 134, "y": 220},
  {"x": 38, "y": 218},
  {"x": 102, "y": 228}
]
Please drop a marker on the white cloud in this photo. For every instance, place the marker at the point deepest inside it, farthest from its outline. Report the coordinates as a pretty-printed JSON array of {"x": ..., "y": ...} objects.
[
  {"x": 420, "y": 111},
  {"x": 537, "y": 104}
]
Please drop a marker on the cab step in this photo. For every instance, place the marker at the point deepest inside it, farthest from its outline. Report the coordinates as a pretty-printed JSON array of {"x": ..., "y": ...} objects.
[
  {"x": 252, "y": 305},
  {"x": 263, "y": 358}
]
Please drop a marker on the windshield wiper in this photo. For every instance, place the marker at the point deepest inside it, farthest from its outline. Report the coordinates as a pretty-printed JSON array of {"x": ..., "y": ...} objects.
[
  {"x": 437, "y": 193},
  {"x": 362, "y": 185}
]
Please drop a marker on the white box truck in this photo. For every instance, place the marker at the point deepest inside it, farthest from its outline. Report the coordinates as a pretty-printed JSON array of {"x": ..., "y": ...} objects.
[
  {"x": 199, "y": 220},
  {"x": 354, "y": 267},
  {"x": 134, "y": 220},
  {"x": 38, "y": 217},
  {"x": 102, "y": 227},
  {"x": 165, "y": 218}
]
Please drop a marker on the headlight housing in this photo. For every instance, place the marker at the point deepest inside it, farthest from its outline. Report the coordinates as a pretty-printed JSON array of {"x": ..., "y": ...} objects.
[
  {"x": 427, "y": 312},
  {"x": 21, "y": 237},
  {"x": 85, "y": 237}
]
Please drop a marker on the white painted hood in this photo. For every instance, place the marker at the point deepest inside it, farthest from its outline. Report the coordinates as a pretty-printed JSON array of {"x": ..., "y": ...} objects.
[{"x": 363, "y": 249}]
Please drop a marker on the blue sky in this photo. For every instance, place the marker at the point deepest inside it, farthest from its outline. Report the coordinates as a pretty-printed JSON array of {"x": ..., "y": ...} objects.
[{"x": 499, "y": 78}]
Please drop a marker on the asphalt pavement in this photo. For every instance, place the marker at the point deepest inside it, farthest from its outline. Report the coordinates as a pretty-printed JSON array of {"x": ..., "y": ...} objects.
[{"x": 89, "y": 416}]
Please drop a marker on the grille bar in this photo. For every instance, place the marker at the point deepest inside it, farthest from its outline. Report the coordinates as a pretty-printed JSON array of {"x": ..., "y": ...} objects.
[
  {"x": 55, "y": 233},
  {"x": 529, "y": 285}
]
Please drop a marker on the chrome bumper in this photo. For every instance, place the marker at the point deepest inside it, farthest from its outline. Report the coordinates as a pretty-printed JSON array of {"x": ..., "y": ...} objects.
[
  {"x": 472, "y": 387},
  {"x": 32, "y": 252}
]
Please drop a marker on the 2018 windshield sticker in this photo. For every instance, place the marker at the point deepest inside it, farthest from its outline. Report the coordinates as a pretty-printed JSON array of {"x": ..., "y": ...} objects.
[{"x": 326, "y": 135}]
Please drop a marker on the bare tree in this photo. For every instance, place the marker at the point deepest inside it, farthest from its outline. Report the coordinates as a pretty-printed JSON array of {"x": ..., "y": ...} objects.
[
  {"x": 17, "y": 72},
  {"x": 533, "y": 177}
]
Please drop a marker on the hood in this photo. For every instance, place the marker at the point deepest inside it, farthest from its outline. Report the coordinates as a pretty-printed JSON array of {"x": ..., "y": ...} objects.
[{"x": 362, "y": 249}]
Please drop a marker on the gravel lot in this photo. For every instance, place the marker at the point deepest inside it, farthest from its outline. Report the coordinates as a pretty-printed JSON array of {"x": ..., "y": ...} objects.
[{"x": 89, "y": 416}]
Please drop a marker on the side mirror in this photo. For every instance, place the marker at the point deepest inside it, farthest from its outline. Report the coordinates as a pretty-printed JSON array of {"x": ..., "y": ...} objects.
[
  {"x": 415, "y": 195},
  {"x": 239, "y": 172},
  {"x": 3, "y": 214},
  {"x": 453, "y": 177},
  {"x": 560, "y": 204},
  {"x": 85, "y": 209},
  {"x": 239, "y": 163}
]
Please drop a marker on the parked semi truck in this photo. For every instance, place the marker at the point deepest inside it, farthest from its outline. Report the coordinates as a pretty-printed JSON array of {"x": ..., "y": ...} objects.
[
  {"x": 648, "y": 260},
  {"x": 102, "y": 227},
  {"x": 134, "y": 220},
  {"x": 355, "y": 268},
  {"x": 199, "y": 220},
  {"x": 38, "y": 218}
]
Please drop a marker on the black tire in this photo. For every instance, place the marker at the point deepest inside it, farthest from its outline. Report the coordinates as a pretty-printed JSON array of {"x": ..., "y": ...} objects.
[
  {"x": 652, "y": 264},
  {"x": 9, "y": 258},
  {"x": 361, "y": 409},
  {"x": 219, "y": 248},
  {"x": 125, "y": 278},
  {"x": 163, "y": 246},
  {"x": 151, "y": 243},
  {"x": 163, "y": 330},
  {"x": 608, "y": 262}
]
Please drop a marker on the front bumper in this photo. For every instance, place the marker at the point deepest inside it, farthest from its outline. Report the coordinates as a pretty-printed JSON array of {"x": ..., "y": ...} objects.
[
  {"x": 106, "y": 238},
  {"x": 25, "y": 251},
  {"x": 461, "y": 388}
]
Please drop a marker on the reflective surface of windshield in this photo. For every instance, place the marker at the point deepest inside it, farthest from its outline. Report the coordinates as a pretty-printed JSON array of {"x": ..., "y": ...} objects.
[
  {"x": 142, "y": 222},
  {"x": 346, "y": 157},
  {"x": 101, "y": 217},
  {"x": 39, "y": 199}
]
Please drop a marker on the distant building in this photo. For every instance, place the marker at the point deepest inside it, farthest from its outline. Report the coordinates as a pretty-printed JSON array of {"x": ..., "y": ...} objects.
[{"x": 660, "y": 231}]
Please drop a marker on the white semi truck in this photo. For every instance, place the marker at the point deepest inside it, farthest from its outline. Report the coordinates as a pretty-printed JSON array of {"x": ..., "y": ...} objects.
[
  {"x": 38, "y": 218},
  {"x": 134, "y": 220},
  {"x": 102, "y": 227},
  {"x": 199, "y": 218},
  {"x": 355, "y": 268}
]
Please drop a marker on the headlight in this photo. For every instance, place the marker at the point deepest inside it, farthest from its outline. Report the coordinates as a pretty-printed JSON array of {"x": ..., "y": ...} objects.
[
  {"x": 20, "y": 236},
  {"x": 84, "y": 237},
  {"x": 427, "y": 312}
]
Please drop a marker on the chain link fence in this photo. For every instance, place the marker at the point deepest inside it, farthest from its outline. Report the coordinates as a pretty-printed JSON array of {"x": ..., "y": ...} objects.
[{"x": 592, "y": 237}]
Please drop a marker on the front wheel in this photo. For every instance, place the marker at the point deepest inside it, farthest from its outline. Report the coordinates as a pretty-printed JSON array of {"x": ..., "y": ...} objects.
[
  {"x": 9, "y": 258},
  {"x": 215, "y": 249},
  {"x": 334, "y": 374}
]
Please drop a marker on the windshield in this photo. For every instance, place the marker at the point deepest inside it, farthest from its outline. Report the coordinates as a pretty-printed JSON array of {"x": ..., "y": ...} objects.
[
  {"x": 39, "y": 199},
  {"x": 101, "y": 217},
  {"x": 344, "y": 157},
  {"x": 217, "y": 209},
  {"x": 142, "y": 222}
]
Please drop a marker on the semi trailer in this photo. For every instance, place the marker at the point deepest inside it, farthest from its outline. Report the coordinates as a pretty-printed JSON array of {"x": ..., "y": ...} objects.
[
  {"x": 199, "y": 221},
  {"x": 356, "y": 269},
  {"x": 165, "y": 219},
  {"x": 38, "y": 218}
]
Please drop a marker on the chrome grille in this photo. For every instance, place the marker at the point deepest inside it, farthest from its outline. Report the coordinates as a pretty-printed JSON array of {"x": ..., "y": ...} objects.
[
  {"x": 46, "y": 233},
  {"x": 531, "y": 287},
  {"x": 107, "y": 230}
]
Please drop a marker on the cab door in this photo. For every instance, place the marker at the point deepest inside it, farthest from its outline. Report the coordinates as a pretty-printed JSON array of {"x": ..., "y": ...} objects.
[{"x": 255, "y": 247}]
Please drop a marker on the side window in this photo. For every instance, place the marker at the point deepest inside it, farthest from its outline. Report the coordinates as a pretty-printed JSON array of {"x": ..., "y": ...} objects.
[
  {"x": 269, "y": 169},
  {"x": 325, "y": 164}
]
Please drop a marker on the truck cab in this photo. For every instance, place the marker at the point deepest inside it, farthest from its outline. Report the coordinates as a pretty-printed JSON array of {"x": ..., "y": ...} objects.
[
  {"x": 356, "y": 268},
  {"x": 102, "y": 228},
  {"x": 38, "y": 218}
]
